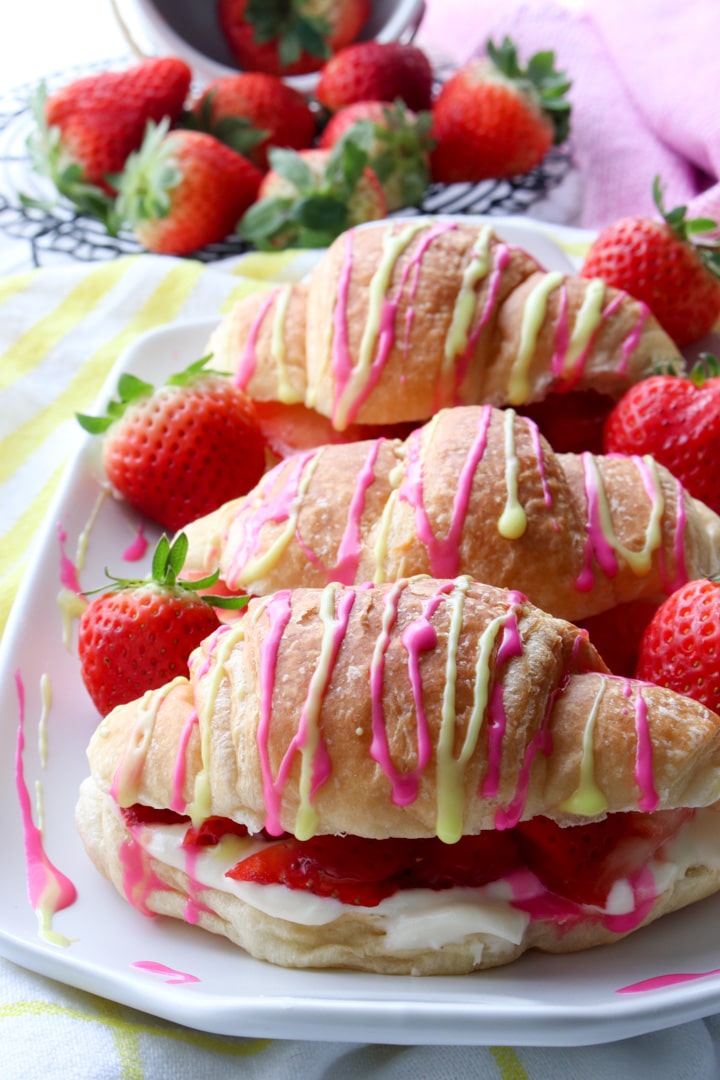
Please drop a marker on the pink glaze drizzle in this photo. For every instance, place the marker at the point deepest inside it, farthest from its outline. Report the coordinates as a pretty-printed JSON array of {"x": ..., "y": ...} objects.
[
  {"x": 178, "y": 802},
  {"x": 248, "y": 359},
  {"x": 173, "y": 977},
  {"x": 49, "y": 890},
  {"x": 644, "y": 775},
  {"x": 278, "y": 609},
  {"x": 136, "y": 550},
  {"x": 348, "y": 556},
  {"x": 444, "y": 553},
  {"x": 68, "y": 570},
  {"x": 537, "y": 447},
  {"x": 139, "y": 879},
  {"x": 660, "y": 981},
  {"x": 510, "y": 646}
]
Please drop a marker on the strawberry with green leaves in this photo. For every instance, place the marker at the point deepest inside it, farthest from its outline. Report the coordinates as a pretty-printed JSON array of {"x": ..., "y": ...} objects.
[
  {"x": 663, "y": 263},
  {"x": 399, "y": 153},
  {"x": 183, "y": 190},
  {"x": 677, "y": 421},
  {"x": 494, "y": 118},
  {"x": 310, "y": 197},
  {"x": 252, "y": 111},
  {"x": 87, "y": 129},
  {"x": 681, "y": 645},
  {"x": 289, "y": 37},
  {"x": 179, "y": 451},
  {"x": 376, "y": 71},
  {"x": 138, "y": 635}
]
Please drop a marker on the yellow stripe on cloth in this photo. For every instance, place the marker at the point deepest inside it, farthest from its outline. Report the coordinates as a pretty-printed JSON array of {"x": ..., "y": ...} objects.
[{"x": 508, "y": 1063}]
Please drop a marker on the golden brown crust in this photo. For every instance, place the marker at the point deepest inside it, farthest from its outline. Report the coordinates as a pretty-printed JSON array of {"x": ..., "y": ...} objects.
[
  {"x": 355, "y": 940},
  {"x": 261, "y": 342},
  {"x": 407, "y": 317},
  {"x": 567, "y": 530},
  {"x": 309, "y": 716}
]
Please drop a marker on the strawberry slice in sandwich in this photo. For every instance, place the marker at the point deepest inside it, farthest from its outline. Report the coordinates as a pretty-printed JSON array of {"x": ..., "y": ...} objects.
[{"x": 425, "y": 777}]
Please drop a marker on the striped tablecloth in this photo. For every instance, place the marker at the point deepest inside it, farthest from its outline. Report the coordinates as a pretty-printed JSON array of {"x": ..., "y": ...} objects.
[{"x": 61, "y": 329}]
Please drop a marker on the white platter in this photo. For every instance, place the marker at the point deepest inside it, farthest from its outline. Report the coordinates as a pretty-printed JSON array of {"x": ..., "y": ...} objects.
[{"x": 540, "y": 1000}]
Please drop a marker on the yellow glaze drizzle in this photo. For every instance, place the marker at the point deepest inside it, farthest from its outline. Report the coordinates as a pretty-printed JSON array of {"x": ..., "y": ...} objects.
[
  {"x": 465, "y": 302},
  {"x": 587, "y": 799},
  {"x": 394, "y": 244},
  {"x": 587, "y": 321},
  {"x": 201, "y": 805},
  {"x": 126, "y": 782},
  {"x": 285, "y": 390},
  {"x": 640, "y": 562},
  {"x": 513, "y": 520},
  {"x": 46, "y": 697},
  {"x": 263, "y": 564},
  {"x": 518, "y": 390}
]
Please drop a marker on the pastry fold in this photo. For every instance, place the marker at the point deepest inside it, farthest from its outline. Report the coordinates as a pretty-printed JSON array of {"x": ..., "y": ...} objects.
[
  {"x": 477, "y": 490},
  {"x": 418, "y": 709},
  {"x": 400, "y": 319}
]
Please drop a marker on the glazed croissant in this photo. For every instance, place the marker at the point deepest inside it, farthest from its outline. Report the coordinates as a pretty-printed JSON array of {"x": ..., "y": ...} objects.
[
  {"x": 401, "y": 319},
  {"x": 476, "y": 490},
  {"x": 425, "y": 708}
]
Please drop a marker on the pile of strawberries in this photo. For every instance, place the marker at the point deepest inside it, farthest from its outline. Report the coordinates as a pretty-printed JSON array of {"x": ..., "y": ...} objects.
[{"x": 250, "y": 155}]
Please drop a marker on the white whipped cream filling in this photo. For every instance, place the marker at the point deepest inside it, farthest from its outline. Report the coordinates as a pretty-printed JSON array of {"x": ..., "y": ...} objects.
[{"x": 415, "y": 918}]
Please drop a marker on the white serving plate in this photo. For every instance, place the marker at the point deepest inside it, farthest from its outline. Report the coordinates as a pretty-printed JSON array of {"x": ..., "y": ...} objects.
[{"x": 539, "y": 1000}]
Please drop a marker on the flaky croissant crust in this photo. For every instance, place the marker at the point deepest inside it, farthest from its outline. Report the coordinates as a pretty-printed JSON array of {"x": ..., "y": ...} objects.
[
  {"x": 477, "y": 490},
  {"x": 402, "y": 318},
  {"x": 419, "y": 708}
]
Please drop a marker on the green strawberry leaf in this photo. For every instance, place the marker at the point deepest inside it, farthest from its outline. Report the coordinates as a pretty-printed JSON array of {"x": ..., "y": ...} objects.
[
  {"x": 267, "y": 220},
  {"x": 322, "y": 214},
  {"x": 686, "y": 229},
  {"x": 290, "y": 165},
  {"x": 539, "y": 79}
]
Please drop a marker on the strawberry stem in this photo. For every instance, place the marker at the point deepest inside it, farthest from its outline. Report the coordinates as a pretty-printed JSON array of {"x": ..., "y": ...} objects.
[
  {"x": 540, "y": 79},
  {"x": 687, "y": 228}
]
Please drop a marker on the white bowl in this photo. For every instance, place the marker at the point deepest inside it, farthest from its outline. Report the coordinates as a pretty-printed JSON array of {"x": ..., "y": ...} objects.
[{"x": 190, "y": 29}]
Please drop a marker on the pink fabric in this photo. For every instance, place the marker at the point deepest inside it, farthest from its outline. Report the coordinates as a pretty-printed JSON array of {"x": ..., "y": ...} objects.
[{"x": 645, "y": 94}]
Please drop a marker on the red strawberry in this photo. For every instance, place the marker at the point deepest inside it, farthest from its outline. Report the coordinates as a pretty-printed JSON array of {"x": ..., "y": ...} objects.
[
  {"x": 681, "y": 645},
  {"x": 677, "y": 421},
  {"x": 250, "y": 112},
  {"x": 178, "y": 452},
  {"x": 493, "y": 118},
  {"x": 399, "y": 153},
  {"x": 289, "y": 37},
  {"x": 309, "y": 197},
  {"x": 139, "y": 635},
  {"x": 660, "y": 263},
  {"x": 376, "y": 71},
  {"x": 582, "y": 862},
  {"x": 184, "y": 190},
  {"x": 357, "y": 870},
  {"x": 88, "y": 128}
]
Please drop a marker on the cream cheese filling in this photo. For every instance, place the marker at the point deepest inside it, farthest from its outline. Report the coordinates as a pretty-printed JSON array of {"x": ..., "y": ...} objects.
[{"x": 415, "y": 918}]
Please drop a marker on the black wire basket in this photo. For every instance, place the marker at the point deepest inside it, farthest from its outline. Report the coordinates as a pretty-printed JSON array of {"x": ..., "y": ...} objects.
[{"x": 56, "y": 230}]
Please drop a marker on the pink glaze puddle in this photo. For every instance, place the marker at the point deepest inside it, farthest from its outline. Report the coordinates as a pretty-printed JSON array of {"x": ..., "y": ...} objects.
[
  {"x": 49, "y": 890},
  {"x": 660, "y": 981},
  {"x": 136, "y": 550},
  {"x": 68, "y": 570},
  {"x": 174, "y": 978}
]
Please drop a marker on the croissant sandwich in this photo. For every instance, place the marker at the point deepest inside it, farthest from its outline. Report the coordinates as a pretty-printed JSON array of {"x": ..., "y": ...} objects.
[
  {"x": 478, "y": 491},
  {"x": 400, "y": 319},
  {"x": 428, "y": 777}
]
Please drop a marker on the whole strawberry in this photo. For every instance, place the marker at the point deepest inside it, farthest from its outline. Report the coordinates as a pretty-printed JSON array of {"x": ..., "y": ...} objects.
[
  {"x": 681, "y": 645},
  {"x": 494, "y": 118},
  {"x": 252, "y": 111},
  {"x": 177, "y": 452},
  {"x": 677, "y": 421},
  {"x": 183, "y": 190},
  {"x": 660, "y": 262},
  {"x": 289, "y": 37},
  {"x": 88, "y": 128},
  {"x": 399, "y": 153},
  {"x": 309, "y": 197},
  {"x": 376, "y": 71},
  {"x": 138, "y": 635}
]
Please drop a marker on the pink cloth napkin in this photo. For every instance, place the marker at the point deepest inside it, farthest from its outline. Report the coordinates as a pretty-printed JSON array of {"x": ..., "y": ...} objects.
[{"x": 645, "y": 94}]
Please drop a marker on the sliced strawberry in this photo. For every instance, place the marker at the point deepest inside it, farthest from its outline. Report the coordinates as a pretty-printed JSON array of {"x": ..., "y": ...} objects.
[
  {"x": 471, "y": 862},
  {"x": 137, "y": 814},
  {"x": 583, "y": 862},
  {"x": 289, "y": 429},
  {"x": 212, "y": 830}
]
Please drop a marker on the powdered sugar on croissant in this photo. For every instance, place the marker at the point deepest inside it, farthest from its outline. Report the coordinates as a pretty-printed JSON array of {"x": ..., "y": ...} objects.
[
  {"x": 405, "y": 318},
  {"x": 477, "y": 491}
]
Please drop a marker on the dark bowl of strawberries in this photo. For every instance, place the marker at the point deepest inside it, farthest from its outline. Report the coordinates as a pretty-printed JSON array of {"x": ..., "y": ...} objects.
[{"x": 291, "y": 38}]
